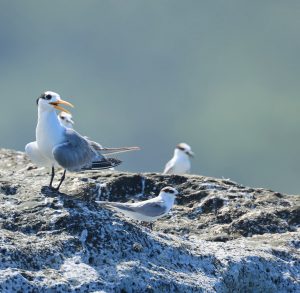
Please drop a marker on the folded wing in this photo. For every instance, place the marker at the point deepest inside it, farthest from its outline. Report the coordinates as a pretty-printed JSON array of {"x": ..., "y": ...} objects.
[
  {"x": 76, "y": 153},
  {"x": 149, "y": 209}
]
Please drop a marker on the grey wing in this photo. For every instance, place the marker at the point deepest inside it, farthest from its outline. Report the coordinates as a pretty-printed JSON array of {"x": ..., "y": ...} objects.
[
  {"x": 76, "y": 152},
  {"x": 169, "y": 168},
  {"x": 111, "y": 151},
  {"x": 151, "y": 209}
]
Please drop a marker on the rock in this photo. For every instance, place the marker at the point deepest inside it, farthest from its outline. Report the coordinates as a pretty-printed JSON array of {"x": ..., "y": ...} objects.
[
  {"x": 220, "y": 237},
  {"x": 137, "y": 247}
]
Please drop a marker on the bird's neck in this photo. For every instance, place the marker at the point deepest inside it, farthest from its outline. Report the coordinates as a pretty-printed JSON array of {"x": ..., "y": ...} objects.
[
  {"x": 47, "y": 117},
  {"x": 48, "y": 124},
  {"x": 69, "y": 125},
  {"x": 168, "y": 199}
]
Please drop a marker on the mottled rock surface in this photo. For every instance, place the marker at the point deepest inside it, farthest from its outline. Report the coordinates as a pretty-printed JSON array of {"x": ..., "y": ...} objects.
[{"x": 220, "y": 237}]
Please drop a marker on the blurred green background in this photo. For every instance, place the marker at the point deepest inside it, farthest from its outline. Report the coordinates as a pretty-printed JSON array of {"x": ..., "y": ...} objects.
[{"x": 222, "y": 76}]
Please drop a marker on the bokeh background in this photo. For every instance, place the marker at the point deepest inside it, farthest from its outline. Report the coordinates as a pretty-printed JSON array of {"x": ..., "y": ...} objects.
[{"x": 222, "y": 76}]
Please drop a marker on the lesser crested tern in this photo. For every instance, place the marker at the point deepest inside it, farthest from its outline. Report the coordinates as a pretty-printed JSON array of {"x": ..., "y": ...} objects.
[{"x": 59, "y": 146}]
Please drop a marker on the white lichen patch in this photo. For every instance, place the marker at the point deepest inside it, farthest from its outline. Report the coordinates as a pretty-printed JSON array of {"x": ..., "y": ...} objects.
[
  {"x": 77, "y": 273},
  {"x": 219, "y": 237}
]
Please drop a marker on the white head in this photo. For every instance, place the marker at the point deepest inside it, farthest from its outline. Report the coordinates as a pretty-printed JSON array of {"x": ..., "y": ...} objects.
[
  {"x": 168, "y": 193},
  {"x": 183, "y": 149},
  {"x": 48, "y": 101},
  {"x": 66, "y": 119}
]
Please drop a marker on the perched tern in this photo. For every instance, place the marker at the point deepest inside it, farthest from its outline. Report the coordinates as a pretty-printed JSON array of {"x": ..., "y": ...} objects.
[
  {"x": 180, "y": 163},
  {"x": 59, "y": 146},
  {"x": 66, "y": 119},
  {"x": 148, "y": 210}
]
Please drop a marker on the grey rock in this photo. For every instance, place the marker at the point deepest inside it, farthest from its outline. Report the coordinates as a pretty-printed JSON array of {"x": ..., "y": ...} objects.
[{"x": 220, "y": 237}]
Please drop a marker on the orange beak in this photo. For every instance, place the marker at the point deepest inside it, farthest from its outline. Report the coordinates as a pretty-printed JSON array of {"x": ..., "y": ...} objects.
[{"x": 61, "y": 102}]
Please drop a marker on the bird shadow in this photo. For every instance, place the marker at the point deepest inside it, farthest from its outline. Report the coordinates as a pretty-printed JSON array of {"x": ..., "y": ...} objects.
[{"x": 52, "y": 192}]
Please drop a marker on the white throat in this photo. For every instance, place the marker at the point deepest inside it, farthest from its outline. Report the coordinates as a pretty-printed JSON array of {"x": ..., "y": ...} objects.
[
  {"x": 168, "y": 199},
  {"x": 178, "y": 154}
]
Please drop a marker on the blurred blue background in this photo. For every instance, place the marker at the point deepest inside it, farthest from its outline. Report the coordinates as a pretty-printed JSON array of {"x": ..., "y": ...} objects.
[{"x": 222, "y": 76}]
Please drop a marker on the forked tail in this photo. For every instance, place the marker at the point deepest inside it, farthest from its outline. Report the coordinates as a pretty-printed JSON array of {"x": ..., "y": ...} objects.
[{"x": 112, "y": 151}]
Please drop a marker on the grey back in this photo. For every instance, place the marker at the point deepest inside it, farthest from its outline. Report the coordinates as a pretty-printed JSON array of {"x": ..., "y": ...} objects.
[
  {"x": 76, "y": 152},
  {"x": 147, "y": 208}
]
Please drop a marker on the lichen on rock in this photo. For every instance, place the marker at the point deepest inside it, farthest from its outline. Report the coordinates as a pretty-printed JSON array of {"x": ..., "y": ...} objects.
[{"x": 220, "y": 237}]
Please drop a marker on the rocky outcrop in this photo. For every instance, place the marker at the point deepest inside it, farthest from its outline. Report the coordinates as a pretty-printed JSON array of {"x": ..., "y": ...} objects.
[{"x": 220, "y": 237}]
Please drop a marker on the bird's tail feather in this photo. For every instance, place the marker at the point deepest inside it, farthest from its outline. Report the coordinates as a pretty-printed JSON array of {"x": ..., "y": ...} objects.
[
  {"x": 112, "y": 151},
  {"x": 106, "y": 204},
  {"x": 114, "y": 205}
]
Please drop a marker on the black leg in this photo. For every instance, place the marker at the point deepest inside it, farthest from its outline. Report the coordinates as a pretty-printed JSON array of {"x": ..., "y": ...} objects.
[
  {"x": 52, "y": 177},
  {"x": 61, "y": 180}
]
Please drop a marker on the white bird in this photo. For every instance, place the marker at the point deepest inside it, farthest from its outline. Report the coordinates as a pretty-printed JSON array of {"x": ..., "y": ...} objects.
[
  {"x": 180, "y": 163},
  {"x": 66, "y": 119},
  {"x": 148, "y": 210},
  {"x": 58, "y": 146}
]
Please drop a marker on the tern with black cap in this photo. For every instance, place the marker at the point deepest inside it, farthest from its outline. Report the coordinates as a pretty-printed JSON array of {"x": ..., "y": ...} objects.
[
  {"x": 180, "y": 163},
  {"x": 148, "y": 210}
]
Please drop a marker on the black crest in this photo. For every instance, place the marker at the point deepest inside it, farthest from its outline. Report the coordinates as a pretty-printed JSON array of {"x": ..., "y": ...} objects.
[
  {"x": 168, "y": 189},
  {"x": 180, "y": 147},
  {"x": 43, "y": 96}
]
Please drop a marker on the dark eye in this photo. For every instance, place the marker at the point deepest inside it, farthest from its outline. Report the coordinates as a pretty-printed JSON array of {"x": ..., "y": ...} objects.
[
  {"x": 63, "y": 118},
  {"x": 169, "y": 190},
  {"x": 48, "y": 97}
]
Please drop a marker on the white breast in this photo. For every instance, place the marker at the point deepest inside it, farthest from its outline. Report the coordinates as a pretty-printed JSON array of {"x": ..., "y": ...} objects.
[
  {"x": 32, "y": 151},
  {"x": 182, "y": 165},
  {"x": 49, "y": 133}
]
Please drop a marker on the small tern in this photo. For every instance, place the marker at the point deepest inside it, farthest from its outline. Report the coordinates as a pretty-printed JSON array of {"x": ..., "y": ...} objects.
[
  {"x": 180, "y": 163},
  {"x": 66, "y": 120},
  {"x": 59, "y": 146},
  {"x": 148, "y": 210}
]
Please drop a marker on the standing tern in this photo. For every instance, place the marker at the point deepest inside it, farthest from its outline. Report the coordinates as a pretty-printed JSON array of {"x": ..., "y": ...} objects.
[
  {"x": 148, "y": 210},
  {"x": 59, "y": 146},
  {"x": 180, "y": 163}
]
